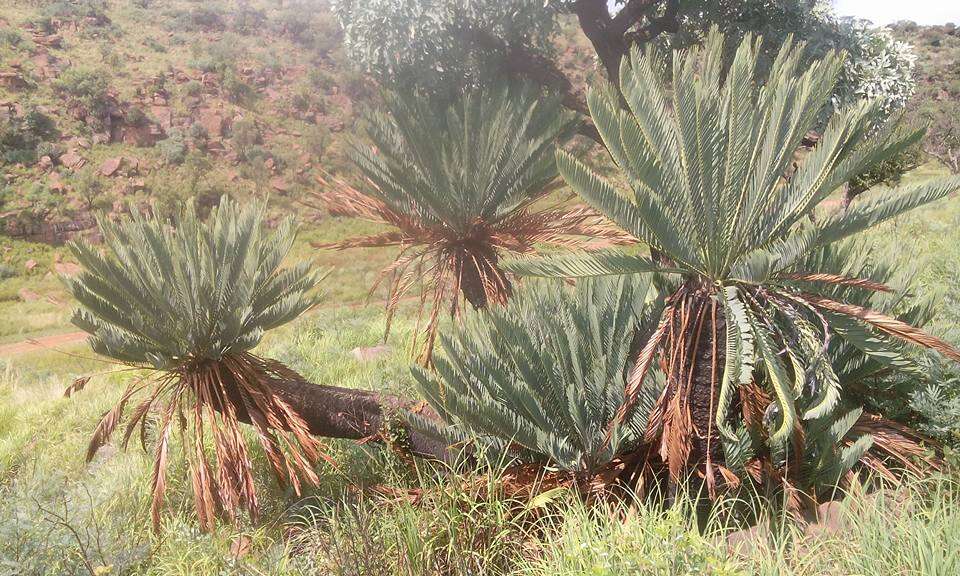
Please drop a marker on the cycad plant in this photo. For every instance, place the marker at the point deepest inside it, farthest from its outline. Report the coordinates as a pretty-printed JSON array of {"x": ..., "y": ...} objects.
[
  {"x": 746, "y": 334},
  {"x": 458, "y": 186},
  {"x": 539, "y": 379},
  {"x": 187, "y": 301}
]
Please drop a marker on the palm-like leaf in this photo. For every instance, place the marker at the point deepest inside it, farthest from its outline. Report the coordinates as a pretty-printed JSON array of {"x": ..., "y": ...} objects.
[
  {"x": 459, "y": 185},
  {"x": 189, "y": 300},
  {"x": 716, "y": 192},
  {"x": 539, "y": 379}
]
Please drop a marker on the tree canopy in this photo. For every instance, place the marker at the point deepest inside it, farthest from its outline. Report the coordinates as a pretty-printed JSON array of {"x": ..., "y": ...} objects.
[{"x": 439, "y": 44}]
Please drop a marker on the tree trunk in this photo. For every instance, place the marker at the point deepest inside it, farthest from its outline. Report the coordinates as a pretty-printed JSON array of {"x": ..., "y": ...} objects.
[
  {"x": 610, "y": 46},
  {"x": 704, "y": 391},
  {"x": 482, "y": 282},
  {"x": 335, "y": 412}
]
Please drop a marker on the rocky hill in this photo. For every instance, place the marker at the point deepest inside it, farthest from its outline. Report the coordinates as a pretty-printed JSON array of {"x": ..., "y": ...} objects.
[{"x": 107, "y": 102}]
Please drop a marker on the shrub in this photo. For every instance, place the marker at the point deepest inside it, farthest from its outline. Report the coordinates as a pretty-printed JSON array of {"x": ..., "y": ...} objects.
[
  {"x": 173, "y": 148},
  {"x": 23, "y": 139},
  {"x": 209, "y": 17},
  {"x": 94, "y": 11},
  {"x": 153, "y": 44},
  {"x": 886, "y": 173},
  {"x": 89, "y": 187},
  {"x": 51, "y": 149},
  {"x": 192, "y": 88},
  {"x": 316, "y": 140},
  {"x": 6, "y": 272},
  {"x": 86, "y": 89},
  {"x": 219, "y": 57},
  {"x": 12, "y": 38},
  {"x": 244, "y": 136},
  {"x": 236, "y": 89},
  {"x": 135, "y": 116},
  {"x": 247, "y": 19}
]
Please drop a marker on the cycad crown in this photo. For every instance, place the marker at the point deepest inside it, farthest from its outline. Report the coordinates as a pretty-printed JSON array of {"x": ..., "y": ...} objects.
[
  {"x": 474, "y": 163},
  {"x": 169, "y": 296},
  {"x": 540, "y": 379},
  {"x": 458, "y": 187}
]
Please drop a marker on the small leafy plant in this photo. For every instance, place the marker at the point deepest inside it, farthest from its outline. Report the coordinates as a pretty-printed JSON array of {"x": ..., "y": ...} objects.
[{"x": 539, "y": 379}]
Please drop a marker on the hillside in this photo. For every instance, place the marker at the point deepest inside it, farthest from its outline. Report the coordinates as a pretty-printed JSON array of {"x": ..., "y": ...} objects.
[
  {"x": 107, "y": 102},
  {"x": 104, "y": 104}
]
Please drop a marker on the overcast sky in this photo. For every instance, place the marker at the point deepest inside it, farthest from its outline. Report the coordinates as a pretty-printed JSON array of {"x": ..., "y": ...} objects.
[{"x": 882, "y": 12}]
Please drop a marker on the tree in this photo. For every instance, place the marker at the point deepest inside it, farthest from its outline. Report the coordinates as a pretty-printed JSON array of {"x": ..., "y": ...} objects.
[
  {"x": 458, "y": 190},
  {"x": 448, "y": 44},
  {"x": 744, "y": 333},
  {"x": 188, "y": 304},
  {"x": 943, "y": 137}
]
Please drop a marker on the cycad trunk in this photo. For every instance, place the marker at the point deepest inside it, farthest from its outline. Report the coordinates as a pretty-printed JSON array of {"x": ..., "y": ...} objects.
[
  {"x": 708, "y": 361},
  {"x": 482, "y": 282},
  {"x": 335, "y": 412}
]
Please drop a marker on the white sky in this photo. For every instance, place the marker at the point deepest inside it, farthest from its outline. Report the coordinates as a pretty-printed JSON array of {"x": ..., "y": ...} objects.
[{"x": 882, "y": 12}]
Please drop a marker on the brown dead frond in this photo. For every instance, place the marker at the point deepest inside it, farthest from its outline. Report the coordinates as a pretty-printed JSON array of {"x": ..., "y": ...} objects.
[
  {"x": 206, "y": 403},
  {"x": 886, "y": 324},
  {"x": 450, "y": 265},
  {"x": 839, "y": 280}
]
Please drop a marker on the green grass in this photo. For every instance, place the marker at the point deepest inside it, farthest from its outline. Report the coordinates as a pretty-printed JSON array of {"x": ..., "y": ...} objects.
[{"x": 459, "y": 526}]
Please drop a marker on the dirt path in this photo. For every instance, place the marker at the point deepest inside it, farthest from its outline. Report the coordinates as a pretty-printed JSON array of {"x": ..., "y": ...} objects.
[
  {"x": 41, "y": 343},
  {"x": 57, "y": 340}
]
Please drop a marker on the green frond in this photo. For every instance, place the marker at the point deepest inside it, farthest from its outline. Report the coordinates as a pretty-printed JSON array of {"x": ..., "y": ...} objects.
[
  {"x": 718, "y": 181},
  {"x": 542, "y": 377},
  {"x": 478, "y": 159},
  {"x": 165, "y": 294},
  {"x": 583, "y": 264}
]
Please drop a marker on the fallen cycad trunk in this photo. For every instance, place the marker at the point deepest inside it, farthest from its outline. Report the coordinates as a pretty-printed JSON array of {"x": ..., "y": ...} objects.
[{"x": 363, "y": 415}]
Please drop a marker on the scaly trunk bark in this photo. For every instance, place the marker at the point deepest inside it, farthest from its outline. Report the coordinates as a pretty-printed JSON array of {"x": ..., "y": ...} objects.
[
  {"x": 477, "y": 269},
  {"x": 335, "y": 412},
  {"x": 704, "y": 391}
]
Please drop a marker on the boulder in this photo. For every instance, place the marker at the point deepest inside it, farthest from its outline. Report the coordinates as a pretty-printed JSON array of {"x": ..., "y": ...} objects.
[
  {"x": 279, "y": 184},
  {"x": 164, "y": 116},
  {"x": 372, "y": 353},
  {"x": 111, "y": 166},
  {"x": 72, "y": 160},
  {"x": 51, "y": 41},
  {"x": 67, "y": 268},
  {"x": 30, "y": 264},
  {"x": 145, "y": 136},
  {"x": 28, "y": 295},
  {"x": 13, "y": 80},
  {"x": 215, "y": 123}
]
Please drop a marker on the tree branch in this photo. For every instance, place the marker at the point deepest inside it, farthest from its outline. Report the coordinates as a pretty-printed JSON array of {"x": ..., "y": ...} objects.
[{"x": 667, "y": 22}]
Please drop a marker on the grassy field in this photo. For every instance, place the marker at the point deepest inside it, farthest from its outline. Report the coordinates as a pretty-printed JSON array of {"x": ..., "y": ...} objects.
[{"x": 60, "y": 515}]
